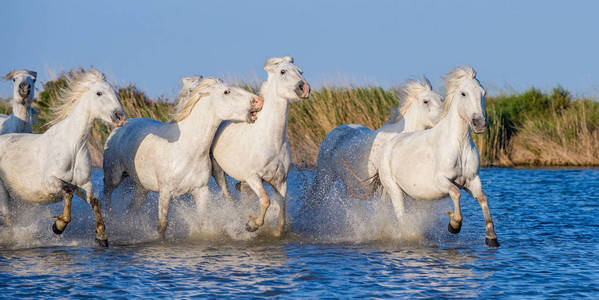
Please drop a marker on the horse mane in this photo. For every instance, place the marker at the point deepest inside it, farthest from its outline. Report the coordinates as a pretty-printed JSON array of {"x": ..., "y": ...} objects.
[
  {"x": 12, "y": 74},
  {"x": 453, "y": 81},
  {"x": 189, "y": 98},
  {"x": 188, "y": 84},
  {"x": 77, "y": 83},
  {"x": 274, "y": 61},
  {"x": 408, "y": 95}
]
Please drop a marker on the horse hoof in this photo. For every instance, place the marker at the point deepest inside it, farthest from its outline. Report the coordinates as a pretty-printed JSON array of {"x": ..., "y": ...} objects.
[
  {"x": 56, "y": 230},
  {"x": 493, "y": 243},
  {"x": 453, "y": 230},
  {"x": 102, "y": 243},
  {"x": 250, "y": 228}
]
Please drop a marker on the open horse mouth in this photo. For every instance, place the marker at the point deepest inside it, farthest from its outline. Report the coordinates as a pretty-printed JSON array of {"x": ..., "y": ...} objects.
[
  {"x": 303, "y": 90},
  {"x": 257, "y": 104}
]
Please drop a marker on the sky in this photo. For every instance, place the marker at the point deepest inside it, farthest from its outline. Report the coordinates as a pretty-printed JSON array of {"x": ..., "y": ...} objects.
[{"x": 513, "y": 45}]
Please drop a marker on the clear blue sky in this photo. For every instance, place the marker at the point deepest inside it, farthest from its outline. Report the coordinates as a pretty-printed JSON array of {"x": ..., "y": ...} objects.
[{"x": 512, "y": 44}]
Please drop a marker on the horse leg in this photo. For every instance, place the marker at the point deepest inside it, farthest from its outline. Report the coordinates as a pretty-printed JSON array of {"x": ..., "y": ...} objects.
[
  {"x": 256, "y": 185},
  {"x": 475, "y": 188},
  {"x": 4, "y": 206},
  {"x": 396, "y": 194},
  {"x": 164, "y": 199},
  {"x": 201, "y": 196},
  {"x": 221, "y": 179},
  {"x": 455, "y": 223},
  {"x": 91, "y": 199},
  {"x": 63, "y": 220},
  {"x": 139, "y": 197},
  {"x": 280, "y": 195},
  {"x": 112, "y": 179}
]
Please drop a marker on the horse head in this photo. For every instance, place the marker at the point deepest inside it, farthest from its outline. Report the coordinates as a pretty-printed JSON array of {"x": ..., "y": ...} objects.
[
  {"x": 421, "y": 104},
  {"x": 230, "y": 103},
  {"x": 23, "y": 85},
  {"x": 290, "y": 84},
  {"x": 464, "y": 89}
]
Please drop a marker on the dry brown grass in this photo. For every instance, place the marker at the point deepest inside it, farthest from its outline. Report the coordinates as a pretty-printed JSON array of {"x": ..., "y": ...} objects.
[{"x": 525, "y": 129}]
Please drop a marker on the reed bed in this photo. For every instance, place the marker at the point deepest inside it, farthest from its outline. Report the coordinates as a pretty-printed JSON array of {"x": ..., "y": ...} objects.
[{"x": 530, "y": 128}]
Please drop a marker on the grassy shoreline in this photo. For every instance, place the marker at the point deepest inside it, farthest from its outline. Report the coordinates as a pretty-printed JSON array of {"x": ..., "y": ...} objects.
[{"x": 528, "y": 129}]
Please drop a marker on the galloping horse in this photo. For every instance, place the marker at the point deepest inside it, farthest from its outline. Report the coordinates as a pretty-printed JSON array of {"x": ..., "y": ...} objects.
[
  {"x": 173, "y": 158},
  {"x": 434, "y": 163},
  {"x": 45, "y": 168},
  {"x": 259, "y": 153}
]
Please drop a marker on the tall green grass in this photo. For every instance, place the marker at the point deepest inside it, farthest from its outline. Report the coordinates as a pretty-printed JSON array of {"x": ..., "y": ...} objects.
[{"x": 531, "y": 128}]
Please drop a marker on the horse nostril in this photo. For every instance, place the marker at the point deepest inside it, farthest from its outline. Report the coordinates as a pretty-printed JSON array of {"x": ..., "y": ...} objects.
[
  {"x": 118, "y": 115},
  {"x": 301, "y": 85}
]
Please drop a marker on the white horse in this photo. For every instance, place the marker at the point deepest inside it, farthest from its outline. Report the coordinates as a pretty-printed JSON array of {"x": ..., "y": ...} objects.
[
  {"x": 21, "y": 119},
  {"x": 351, "y": 152},
  {"x": 259, "y": 152},
  {"x": 434, "y": 163},
  {"x": 173, "y": 158},
  {"x": 44, "y": 168}
]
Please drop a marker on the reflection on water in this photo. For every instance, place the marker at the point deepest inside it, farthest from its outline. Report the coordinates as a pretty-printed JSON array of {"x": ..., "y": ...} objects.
[{"x": 545, "y": 220}]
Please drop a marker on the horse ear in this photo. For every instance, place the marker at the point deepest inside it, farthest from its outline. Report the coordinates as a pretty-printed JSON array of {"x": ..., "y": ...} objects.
[
  {"x": 9, "y": 76},
  {"x": 427, "y": 83},
  {"x": 288, "y": 59}
]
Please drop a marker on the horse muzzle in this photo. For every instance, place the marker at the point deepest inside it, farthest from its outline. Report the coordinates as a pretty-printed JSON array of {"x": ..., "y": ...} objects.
[
  {"x": 479, "y": 125},
  {"x": 24, "y": 89},
  {"x": 118, "y": 118},
  {"x": 303, "y": 90},
  {"x": 256, "y": 105}
]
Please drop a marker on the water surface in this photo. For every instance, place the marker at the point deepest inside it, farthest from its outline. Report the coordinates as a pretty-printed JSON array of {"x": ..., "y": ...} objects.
[{"x": 545, "y": 221}]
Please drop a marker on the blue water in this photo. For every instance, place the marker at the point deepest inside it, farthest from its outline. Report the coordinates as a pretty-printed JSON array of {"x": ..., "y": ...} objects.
[{"x": 546, "y": 222}]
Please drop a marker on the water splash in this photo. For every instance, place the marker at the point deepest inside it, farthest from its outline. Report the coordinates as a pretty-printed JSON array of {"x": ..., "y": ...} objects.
[{"x": 336, "y": 219}]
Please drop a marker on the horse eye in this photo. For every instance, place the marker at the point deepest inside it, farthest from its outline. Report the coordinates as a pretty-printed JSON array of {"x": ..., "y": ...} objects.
[
  {"x": 227, "y": 92},
  {"x": 463, "y": 94},
  {"x": 99, "y": 93},
  {"x": 283, "y": 72},
  {"x": 425, "y": 101}
]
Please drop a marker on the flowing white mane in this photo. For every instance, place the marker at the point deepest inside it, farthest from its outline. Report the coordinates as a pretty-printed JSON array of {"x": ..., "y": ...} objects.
[
  {"x": 77, "y": 84},
  {"x": 453, "y": 81},
  {"x": 188, "y": 98},
  {"x": 408, "y": 95}
]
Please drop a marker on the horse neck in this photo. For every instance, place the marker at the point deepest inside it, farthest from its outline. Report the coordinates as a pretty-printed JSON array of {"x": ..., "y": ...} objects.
[
  {"x": 21, "y": 111},
  {"x": 197, "y": 130},
  {"x": 412, "y": 121},
  {"x": 271, "y": 124},
  {"x": 453, "y": 127},
  {"x": 75, "y": 129}
]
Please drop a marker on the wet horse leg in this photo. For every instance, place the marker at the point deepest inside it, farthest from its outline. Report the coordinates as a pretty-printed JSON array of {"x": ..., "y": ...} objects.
[
  {"x": 280, "y": 195},
  {"x": 475, "y": 188},
  {"x": 91, "y": 199},
  {"x": 63, "y": 220},
  {"x": 139, "y": 197},
  {"x": 221, "y": 179},
  {"x": 164, "y": 199},
  {"x": 256, "y": 185},
  {"x": 455, "y": 223}
]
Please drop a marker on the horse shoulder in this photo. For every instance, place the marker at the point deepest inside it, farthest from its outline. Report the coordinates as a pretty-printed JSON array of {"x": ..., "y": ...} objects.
[{"x": 470, "y": 161}]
